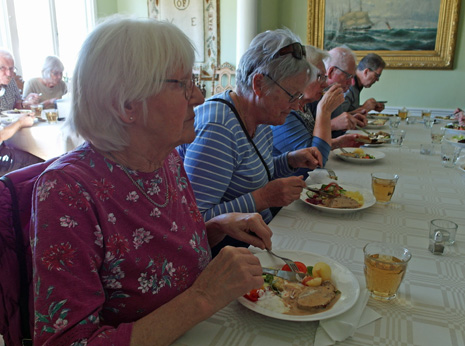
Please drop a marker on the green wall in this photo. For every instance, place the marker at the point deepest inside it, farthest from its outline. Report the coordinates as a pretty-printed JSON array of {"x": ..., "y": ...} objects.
[{"x": 410, "y": 88}]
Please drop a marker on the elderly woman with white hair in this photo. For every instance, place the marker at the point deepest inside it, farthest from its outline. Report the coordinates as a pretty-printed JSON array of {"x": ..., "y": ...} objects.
[
  {"x": 304, "y": 129},
  {"x": 230, "y": 163},
  {"x": 50, "y": 87},
  {"x": 121, "y": 254}
]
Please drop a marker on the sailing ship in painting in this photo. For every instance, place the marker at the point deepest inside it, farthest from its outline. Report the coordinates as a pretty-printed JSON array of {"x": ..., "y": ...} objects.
[
  {"x": 355, "y": 20},
  {"x": 362, "y": 25}
]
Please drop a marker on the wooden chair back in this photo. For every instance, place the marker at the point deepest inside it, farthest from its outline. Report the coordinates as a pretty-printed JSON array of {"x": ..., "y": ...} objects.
[{"x": 224, "y": 78}]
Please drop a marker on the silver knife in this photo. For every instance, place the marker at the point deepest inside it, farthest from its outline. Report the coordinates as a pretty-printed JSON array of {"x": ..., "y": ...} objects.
[{"x": 289, "y": 276}]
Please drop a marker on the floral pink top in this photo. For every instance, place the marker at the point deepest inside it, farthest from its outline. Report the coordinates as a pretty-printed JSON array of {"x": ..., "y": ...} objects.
[{"x": 104, "y": 254}]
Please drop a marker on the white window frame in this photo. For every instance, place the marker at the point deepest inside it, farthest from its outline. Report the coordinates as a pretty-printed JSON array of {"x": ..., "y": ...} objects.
[{"x": 9, "y": 32}]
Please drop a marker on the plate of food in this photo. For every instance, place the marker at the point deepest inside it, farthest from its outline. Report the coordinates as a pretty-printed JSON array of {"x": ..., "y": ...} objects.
[
  {"x": 448, "y": 118},
  {"x": 308, "y": 302},
  {"x": 16, "y": 112},
  {"x": 359, "y": 155},
  {"x": 380, "y": 115},
  {"x": 457, "y": 140},
  {"x": 375, "y": 139},
  {"x": 376, "y": 123},
  {"x": 337, "y": 198},
  {"x": 455, "y": 129}
]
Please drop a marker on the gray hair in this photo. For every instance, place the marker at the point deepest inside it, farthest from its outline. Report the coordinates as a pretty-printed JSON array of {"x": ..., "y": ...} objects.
[
  {"x": 371, "y": 61},
  {"x": 52, "y": 64},
  {"x": 123, "y": 60},
  {"x": 316, "y": 55},
  {"x": 338, "y": 57},
  {"x": 260, "y": 58},
  {"x": 6, "y": 54}
]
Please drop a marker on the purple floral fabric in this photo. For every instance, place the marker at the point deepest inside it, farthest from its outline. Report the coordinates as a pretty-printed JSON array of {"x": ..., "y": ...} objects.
[{"x": 104, "y": 255}]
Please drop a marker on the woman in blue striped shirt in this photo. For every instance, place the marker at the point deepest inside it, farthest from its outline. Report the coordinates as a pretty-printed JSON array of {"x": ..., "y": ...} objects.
[{"x": 230, "y": 163}]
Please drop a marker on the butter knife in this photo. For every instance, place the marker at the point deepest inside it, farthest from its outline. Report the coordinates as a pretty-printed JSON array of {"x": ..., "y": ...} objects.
[{"x": 289, "y": 276}]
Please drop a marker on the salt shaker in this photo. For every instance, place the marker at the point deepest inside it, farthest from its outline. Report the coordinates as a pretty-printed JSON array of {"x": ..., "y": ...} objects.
[{"x": 436, "y": 245}]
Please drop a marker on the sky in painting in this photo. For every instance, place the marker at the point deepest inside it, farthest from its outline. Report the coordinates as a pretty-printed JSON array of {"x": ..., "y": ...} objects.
[{"x": 399, "y": 13}]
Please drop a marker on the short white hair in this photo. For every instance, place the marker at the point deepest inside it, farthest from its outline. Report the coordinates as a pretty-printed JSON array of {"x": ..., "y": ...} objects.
[
  {"x": 52, "y": 64},
  {"x": 123, "y": 60}
]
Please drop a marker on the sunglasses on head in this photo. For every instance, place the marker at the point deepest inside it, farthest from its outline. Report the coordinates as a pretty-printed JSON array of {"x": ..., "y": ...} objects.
[{"x": 296, "y": 49}]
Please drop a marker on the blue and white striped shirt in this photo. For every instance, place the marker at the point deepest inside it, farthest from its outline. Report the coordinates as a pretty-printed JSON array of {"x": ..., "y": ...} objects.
[{"x": 222, "y": 165}]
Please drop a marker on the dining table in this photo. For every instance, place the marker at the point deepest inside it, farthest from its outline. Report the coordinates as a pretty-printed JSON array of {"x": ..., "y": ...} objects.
[
  {"x": 45, "y": 140},
  {"x": 430, "y": 305}
]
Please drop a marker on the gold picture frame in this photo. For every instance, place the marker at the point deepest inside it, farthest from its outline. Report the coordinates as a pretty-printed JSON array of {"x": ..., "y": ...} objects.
[
  {"x": 442, "y": 57},
  {"x": 211, "y": 23}
]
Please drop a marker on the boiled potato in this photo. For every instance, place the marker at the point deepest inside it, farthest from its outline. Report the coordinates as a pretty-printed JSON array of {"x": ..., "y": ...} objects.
[
  {"x": 322, "y": 270},
  {"x": 359, "y": 151}
]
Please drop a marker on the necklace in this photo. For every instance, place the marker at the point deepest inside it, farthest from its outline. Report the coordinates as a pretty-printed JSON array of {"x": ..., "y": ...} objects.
[{"x": 141, "y": 189}]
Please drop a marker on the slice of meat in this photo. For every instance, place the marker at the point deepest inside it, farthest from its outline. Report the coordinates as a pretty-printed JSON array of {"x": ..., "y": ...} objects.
[
  {"x": 312, "y": 298},
  {"x": 341, "y": 202}
]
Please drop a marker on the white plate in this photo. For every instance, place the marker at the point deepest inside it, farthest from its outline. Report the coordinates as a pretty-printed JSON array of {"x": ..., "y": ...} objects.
[
  {"x": 377, "y": 154},
  {"x": 371, "y": 125},
  {"x": 455, "y": 132},
  {"x": 16, "y": 112},
  {"x": 368, "y": 200},
  {"x": 342, "y": 278},
  {"x": 376, "y": 144},
  {"x": 461, "y": 145},
  {"x": 380, "y": 116}
]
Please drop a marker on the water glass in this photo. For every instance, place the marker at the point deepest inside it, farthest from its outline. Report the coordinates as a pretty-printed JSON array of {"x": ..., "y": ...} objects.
[
  {"x": 449, "y": 154},
  {"x": 447, "y": 228},
  {"x": 397, "y": 137},
  {"x": 394, "y": 122},
  {"x": 385, "y": 267},
  {"x": 426, "y": 149},
  {"x": 429, "y": 122},
  {"x": 437, "y": 134}
]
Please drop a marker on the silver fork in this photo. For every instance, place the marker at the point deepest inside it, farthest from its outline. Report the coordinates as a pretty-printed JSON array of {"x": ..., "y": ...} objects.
[
  {"x": 331, "y": 174},
  {"x": 288, "y": 261}
]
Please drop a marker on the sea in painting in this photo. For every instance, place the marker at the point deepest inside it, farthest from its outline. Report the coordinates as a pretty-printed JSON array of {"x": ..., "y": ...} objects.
[{"x": 381, "y": 24}]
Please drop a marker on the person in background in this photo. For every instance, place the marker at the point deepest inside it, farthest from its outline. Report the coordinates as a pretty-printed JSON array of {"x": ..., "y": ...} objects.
[
  {"x": 50, "y": 86},
  {"x": 368, "y": 72},
  {"x": 340, "y": 69},
  {"x": 302, "y": 129},
  {"x": 230, "y": 163},
  {"x": 459, "y": 114},
  {"x": 121, "y": 254},
  {"x": 10, "y": 99}
]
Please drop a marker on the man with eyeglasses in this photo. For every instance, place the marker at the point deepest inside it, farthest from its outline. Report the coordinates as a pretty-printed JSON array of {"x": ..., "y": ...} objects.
[
  {"x": 368, "y": 72},
  {"x": 340, "y": 69},
  {"x": 10, "y": 98}
]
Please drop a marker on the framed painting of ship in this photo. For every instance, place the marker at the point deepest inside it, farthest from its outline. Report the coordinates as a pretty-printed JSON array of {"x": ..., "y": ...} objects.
[{"x": 413, "y": 34}]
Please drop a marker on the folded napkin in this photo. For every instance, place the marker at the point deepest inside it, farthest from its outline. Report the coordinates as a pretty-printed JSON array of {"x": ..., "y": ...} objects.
[
  {"x": 343, "y": 326},
  {"x": 318, "y": 176}
]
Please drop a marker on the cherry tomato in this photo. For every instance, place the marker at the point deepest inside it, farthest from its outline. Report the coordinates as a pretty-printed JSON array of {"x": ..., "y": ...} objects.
[
  {"x": 252, "y": 295},
  {"x": 307, "y": 278},
  {"x": 300, "y": 266}
]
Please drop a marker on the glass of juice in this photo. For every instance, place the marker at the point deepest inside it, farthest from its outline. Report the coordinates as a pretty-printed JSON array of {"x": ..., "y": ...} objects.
[
  {"x": 385, "y": 267},
  {"x": 383, "y": 186},
  {"x": 51, "y": 115}
]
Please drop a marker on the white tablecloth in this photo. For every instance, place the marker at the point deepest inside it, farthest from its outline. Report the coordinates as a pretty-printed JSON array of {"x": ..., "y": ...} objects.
[
  {"x": 430, "y": 307},
  {"x": 44, "y": 140}
]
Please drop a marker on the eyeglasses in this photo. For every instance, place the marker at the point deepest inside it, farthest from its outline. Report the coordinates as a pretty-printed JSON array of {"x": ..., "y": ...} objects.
[
  {"x": 293, "y": 98},
  {"x": 378, "y": 76},
  {"x": 187, "y": 84},
  {"x": 321, "y": 78},
  {"x": 348, "y": 75},
  {"x": 296, "y": 49},
  {"x": 11, "y": 69}
]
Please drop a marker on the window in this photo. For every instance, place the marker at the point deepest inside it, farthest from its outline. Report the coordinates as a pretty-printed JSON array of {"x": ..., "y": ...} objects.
[{"x": 35, "y": 29}]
